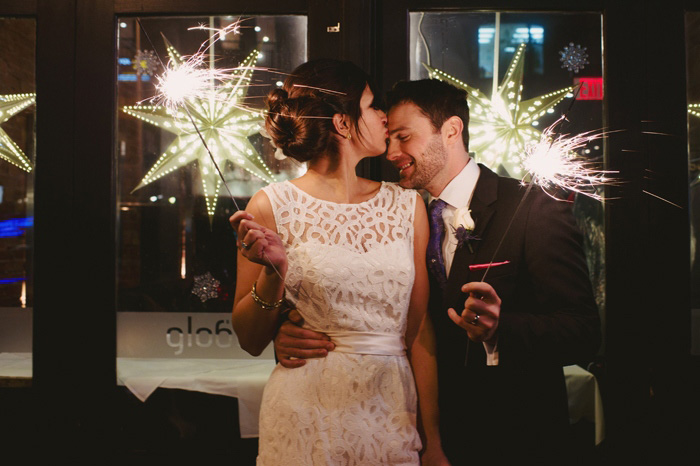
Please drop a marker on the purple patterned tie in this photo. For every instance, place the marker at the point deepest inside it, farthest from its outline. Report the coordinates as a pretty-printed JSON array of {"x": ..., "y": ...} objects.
[{"x": 434, "y": 252}]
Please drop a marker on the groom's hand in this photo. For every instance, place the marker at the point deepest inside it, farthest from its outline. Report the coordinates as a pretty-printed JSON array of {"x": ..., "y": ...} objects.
[
  {"x": 481, "y": 313},
  {"x": 294, "y": 344}
]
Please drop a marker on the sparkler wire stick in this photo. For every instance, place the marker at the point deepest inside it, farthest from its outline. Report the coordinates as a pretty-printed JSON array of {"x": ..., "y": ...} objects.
[
  {"x": 661, "y": 198},
  {"x": 505, "y": 233},
  {"x": 529, "y": 188},
  {"x": 320, "y": 89},
  {"x": 530, "y": 185},
  {"x": 213, "y": 161},
  {"x": 565, "y": 173}
]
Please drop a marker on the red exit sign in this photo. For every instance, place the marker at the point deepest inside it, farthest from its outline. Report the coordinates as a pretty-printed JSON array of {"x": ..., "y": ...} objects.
[{"x": 591, "y": 88}]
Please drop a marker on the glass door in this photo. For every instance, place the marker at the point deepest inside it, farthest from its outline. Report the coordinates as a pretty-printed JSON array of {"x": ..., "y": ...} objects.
[
  {"x": 17, "y": 166},
  {"x": 184, "y": 168},
  {"x": 525, "y": 74}
]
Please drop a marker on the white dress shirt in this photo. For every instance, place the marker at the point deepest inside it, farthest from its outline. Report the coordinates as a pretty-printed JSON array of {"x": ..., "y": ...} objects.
[{"x": 458, "y": 193}]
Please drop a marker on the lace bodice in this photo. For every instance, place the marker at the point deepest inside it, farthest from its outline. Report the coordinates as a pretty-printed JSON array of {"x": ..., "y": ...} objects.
[
  {"x": 350, "y": 265},
  {"x": 350, "y": 275}
]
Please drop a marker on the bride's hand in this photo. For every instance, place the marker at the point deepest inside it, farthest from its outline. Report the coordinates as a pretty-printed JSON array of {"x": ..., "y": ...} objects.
[{"x": 259, "y": 244}]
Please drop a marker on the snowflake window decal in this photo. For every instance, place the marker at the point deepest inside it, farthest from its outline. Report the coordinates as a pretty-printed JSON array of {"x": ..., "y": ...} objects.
[
  {"x": 145, "y": 62},
  {"x": 573, "y": 57},
  {"x": 206, "y": 287}
]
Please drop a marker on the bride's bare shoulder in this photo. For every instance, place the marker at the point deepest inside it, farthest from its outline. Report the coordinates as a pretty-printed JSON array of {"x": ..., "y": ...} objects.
[{"x": 261, "y": 208}]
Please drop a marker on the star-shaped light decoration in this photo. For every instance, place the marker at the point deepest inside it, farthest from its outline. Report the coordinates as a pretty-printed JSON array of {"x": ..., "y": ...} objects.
[
  {"x": 502, "y": 126},
  {"x": 694, "y": 109},
  {"x": 224, "y": 123},
  {"x": 10, "y": 105}
]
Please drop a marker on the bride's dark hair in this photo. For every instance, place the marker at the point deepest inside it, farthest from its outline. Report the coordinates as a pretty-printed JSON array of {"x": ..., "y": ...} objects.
[{"x": 300, "y": 114}]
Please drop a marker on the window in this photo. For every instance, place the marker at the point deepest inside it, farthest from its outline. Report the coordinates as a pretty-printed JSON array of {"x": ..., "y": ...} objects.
[
  {"x": 176, "y": 249},
  {"x": 693, "y": 64},
  {"x": 17, "y": 145},
  {"x": 522, "y": 72}
]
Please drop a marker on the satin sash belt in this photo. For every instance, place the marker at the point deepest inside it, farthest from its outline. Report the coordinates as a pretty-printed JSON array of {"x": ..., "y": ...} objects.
[{"x": 382, "y": 344}]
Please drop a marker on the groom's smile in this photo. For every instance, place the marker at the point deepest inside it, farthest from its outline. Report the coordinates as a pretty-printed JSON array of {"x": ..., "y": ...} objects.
[
  {"x": 415, "y": 148},
  {"x": 405, "y": 166}
]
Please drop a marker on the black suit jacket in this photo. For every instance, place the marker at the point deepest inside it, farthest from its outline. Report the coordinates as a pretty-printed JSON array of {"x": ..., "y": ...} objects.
[{"x": 516, "y": 411}]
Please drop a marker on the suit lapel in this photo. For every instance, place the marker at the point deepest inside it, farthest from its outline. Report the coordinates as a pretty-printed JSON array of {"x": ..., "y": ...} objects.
[{"x": 482, "y": 209}]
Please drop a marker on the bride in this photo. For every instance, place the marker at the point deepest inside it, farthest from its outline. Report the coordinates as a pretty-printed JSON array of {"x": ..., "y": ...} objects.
[{"x": 349, "y": 254}]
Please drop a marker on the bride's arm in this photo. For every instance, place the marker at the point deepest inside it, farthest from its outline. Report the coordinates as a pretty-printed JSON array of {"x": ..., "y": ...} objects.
[
  {"x": 263, "y": 262},
  {"x": 420, "y": 341}
]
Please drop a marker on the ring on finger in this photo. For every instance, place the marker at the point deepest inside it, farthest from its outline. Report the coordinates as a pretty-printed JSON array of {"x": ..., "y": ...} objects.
[
  {"x": 475, "y": 320},
  {"x": 244, "y": 245}
]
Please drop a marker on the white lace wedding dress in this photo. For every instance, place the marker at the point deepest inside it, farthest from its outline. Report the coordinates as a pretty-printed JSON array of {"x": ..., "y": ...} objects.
[{"x": 350, "y": 275}]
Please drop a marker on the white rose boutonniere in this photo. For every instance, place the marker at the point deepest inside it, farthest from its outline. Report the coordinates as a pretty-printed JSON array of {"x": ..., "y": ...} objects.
[{"x": 463, "y": 227}]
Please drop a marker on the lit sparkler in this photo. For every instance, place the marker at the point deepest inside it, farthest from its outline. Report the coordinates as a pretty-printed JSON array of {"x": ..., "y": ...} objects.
[
  {"x": 553, "y": 162},
  {"x": 218, "y": 33},
  {"x": 203, "y": 106},
  {"x": 182, "y": 82},
  {"x": 501, "y": 126},
  {"x": 187, "y": 80}
]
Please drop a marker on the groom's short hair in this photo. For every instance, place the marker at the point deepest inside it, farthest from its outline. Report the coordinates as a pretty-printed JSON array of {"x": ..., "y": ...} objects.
[{"x": 437, "y": 100}]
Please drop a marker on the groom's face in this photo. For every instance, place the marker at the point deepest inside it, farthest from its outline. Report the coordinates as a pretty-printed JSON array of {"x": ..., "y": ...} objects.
[{"x": 415, "y": 148}]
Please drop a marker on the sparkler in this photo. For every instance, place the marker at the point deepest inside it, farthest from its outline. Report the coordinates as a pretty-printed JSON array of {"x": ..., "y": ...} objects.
[
  {"x": 191, "y": 93},
  {"x": 219, "y": 33},
  {"x": 187, "y": 83},
  {"x": 501, "y": 126},
  {"x": 553, "y": 163},
  {"x": 203, "y": 77},
  {"x": 184, "y": 82},
  {"x": 187, "y": 79},
  {"x": 321, "y": 89}
]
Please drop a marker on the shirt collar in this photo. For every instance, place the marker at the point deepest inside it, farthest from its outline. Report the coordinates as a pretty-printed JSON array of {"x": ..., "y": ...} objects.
[{"x": 458, "y": 192}]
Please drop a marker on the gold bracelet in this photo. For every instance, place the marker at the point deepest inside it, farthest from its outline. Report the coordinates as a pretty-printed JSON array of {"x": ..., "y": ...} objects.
[{"x": 262, "y": 303}]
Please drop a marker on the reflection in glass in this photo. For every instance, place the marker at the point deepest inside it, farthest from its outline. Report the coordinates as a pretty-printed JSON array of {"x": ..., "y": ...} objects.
[
  {"x": 521, "y": 72},
  {"x": 692, "y": 20},
  {"x": 510, "y": 37},
  {"x": 17, "y": 147},
  {"x": 176, "y": 248}
]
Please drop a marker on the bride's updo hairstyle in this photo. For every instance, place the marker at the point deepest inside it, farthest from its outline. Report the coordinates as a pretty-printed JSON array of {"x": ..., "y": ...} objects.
[{"x": 300, "y": 114}]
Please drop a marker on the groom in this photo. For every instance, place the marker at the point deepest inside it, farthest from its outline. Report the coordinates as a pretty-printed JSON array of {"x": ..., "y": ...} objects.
[
  {"x": 501, "y": 340},
  {"x": 501, "y": 390}
]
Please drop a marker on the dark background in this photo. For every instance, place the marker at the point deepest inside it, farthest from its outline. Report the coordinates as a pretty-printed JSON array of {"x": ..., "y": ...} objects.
[{"x": 74, "y": 410}]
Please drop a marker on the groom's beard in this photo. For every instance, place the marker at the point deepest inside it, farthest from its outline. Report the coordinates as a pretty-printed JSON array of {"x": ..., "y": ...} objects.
[{"x": 431, "y": 162}]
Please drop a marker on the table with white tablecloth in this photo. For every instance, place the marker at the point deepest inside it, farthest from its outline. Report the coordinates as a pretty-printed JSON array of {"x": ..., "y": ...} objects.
[
  {"x": 245, "y": 379},
  {"x": 585, "y": 401}
]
